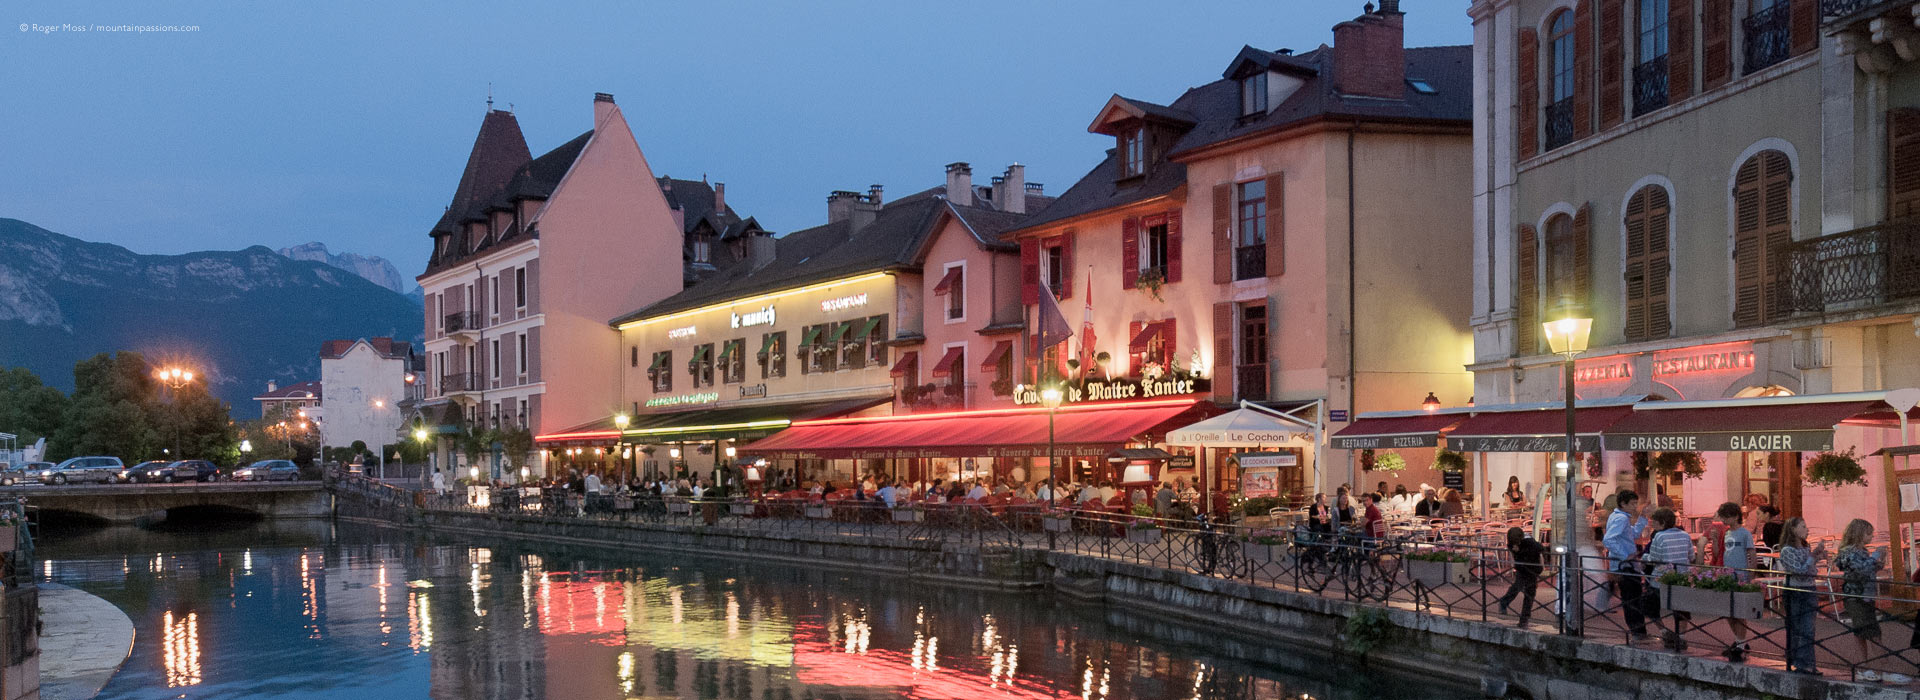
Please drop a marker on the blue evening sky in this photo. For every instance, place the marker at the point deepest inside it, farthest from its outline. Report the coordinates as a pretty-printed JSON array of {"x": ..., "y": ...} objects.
[{"x": 348, "y": 122}]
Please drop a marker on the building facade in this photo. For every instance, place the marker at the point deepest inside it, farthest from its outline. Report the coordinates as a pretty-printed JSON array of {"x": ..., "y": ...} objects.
[
  {"x": 370, "y": 377},
  {"x": 1294, "y": 233},
  {"x": 304, "y": 396}
]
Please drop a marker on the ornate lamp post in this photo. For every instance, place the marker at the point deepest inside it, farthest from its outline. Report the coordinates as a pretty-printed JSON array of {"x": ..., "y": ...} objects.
[
  {"x": 174, "y": 378},
  {"x": 1568, "y": 337},
  {"x": 620, "y": 422},
  {"x": 1051, "y": 398}
]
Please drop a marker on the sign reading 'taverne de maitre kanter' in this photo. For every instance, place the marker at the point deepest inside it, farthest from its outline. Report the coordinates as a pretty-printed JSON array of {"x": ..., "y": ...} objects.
[{"x": 1748, "y": 441}]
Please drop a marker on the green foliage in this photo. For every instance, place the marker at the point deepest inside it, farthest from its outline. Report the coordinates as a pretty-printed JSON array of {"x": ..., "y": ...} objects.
[
  {"x": 1260, "y": 506},
  {"x": 1390, "y": 462},
  {"x": 517, "y": 443},
  {"x": 1688, "y": 464},
  {"x": 28, "y": 408},
  {"x": 1449, "y": 461},
  {"x": 1366, "y": 629},
  {"x": 1142, "y": 510},
  {"x": 1438, "y": 555},
  {"x": 1724, "y": 583},
  {"x": 1830, "y": 469},
  {"x": 118, "y": 409}
]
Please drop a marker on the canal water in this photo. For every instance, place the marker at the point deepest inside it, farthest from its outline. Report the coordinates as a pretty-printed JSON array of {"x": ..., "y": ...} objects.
[{"x": 315, "y": 610}]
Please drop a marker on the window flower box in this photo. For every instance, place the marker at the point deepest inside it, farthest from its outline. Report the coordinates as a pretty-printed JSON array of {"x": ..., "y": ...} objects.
[
  {"x": 1721, "y": 596},
  {"x": 1434, "y": 573},
  {"x": 909, "y": 515},
  {"x": 819, "y": 511}
]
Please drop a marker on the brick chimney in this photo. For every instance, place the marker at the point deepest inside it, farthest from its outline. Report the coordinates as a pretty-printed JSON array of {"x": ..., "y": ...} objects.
[
  {"x": 853, "y": 207},
  {"x": 1369, "y": 54},
  {"x": 602, "y": 108},
  {"x": 873, "y": 194},
  {"x": 720, "y": 198},
  {"x": 1010, "y": 190},
  {"x": 960, "y": 184},
  {"x": 271, "y": 387}
]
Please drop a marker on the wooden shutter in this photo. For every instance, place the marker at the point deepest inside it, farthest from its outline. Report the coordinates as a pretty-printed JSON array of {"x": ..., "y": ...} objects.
[
  {"x": 1679, "y": 50},
  {"x": 506, "y": 360},
  {"x": 1529, "y": 89},
  {"x": 1222, "y": 234},
  {"x": 533, "y": 357},
  {"x": 1747, "y": 243},
  {"x": 1526, "y": 293},
  {"x": 1582, "y": 257},
  {"x": 1224, "y": 364},
  {"x": 1612, "y": 62},
  {"x": 1276, "y": 225},
  {"x": 1172, "y": 339},
  {"x": 1066, "y": 264},
  {"x": 1903, "y": 163},
  {"x": 433, "y": 316},
  {"x": 1582, "y": 69},
  {"x": 1173, "y": 246},
  {"x": 1716, "y": 43},
  {"x": 1776, "y": 196},
  {"x": 1635, "y": 274},
  {"x": 1649, "y": 265},
  {"x": 1129, "y": 252},
  {"x": 1029, "y": 271},
  {"x": 1805, "y": 25},
  {"x": 1659, "y": 264},
  {"x": 1133, "y": 360}
]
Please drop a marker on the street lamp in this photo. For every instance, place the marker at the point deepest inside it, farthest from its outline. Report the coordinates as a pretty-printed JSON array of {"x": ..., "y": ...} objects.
[
  {"x": 1051, "y": 398},
  {"x": 1568, "y": 337},
  {"x": 1431, "y": 403},
  {"x": 174, "y": 378}
]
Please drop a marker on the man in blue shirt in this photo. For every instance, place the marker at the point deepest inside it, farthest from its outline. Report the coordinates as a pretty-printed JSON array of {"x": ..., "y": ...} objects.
[{"x": 1623, "y": 551}]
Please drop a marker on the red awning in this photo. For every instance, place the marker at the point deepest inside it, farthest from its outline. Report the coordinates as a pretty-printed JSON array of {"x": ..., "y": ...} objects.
[
  {"x": 906, "y": 364},
  {"x": 946, "y": 282},
  {"x": 994, "y": 356},
  {"x": 1083, "y": 430},
  {"x": 1540, "y": 430},
  {"x": 1784, "y": 424},
  {"x": 1395, "y": 431},
  {"x": 1144, "y": 340},
  {"x": 949, "y": 361}
]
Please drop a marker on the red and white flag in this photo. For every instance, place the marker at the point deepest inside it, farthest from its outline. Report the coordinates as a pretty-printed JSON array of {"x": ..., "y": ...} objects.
[{"x": 1086, "y": 331}]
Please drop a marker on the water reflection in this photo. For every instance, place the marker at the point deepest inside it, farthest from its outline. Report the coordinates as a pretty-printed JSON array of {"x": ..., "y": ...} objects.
[{"x": 279, "y": 611}]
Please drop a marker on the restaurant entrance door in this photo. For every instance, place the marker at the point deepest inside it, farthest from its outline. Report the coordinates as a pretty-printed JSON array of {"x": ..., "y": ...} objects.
[{"x": 1774, "y": 475}]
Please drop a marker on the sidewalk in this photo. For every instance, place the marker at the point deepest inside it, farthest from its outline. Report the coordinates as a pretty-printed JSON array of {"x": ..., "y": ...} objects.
[{"x": 83, "y": 642}]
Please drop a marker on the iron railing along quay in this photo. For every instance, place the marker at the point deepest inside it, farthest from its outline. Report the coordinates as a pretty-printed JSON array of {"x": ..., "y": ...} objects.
[{"x": 1868, "y": 266}]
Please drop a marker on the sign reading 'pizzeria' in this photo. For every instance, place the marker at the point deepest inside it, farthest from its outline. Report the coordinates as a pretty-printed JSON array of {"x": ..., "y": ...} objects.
[{"x": 1750, "y": 441}]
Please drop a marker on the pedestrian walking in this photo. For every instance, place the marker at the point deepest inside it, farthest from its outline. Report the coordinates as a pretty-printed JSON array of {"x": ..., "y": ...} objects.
[
  {"x": 1527, "y": 553},
  {"x": 1623, "y": 554}
]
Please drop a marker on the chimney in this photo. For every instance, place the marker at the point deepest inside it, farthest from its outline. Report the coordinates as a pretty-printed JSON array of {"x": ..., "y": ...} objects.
[
  {"x": 271, "y": 387},
  {"x": 720, "y": 197},
  {"x": 960, "y": 184},
  {"x": 873, "y": 194},
  {"x": 1369, "y": 54},
  {"x": 853, "y": 207},
  {"x": 1010, "y": 190},
  {"x": 760, "y": 250},
  {"x": 603, "y": 108}
]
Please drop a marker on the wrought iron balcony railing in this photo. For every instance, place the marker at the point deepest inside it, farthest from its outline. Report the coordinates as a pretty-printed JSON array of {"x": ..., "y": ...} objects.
[
  {"x": 1250, "y": 262},
  {"x": 465, "y": 321},
  {"x": 455, "y": 383},
  {"x": 1864, "y": 267},
  {"x": 1834, "y": 10},
  {"x": 1769, "y": 36},
  {"x": 1559, "y": 124},
  {"x": 1650, "y": 86}
]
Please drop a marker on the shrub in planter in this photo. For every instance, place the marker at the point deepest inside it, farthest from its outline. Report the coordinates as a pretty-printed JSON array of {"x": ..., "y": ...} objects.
[
  {"x": 1829, "y": 469},
  {"x": 1260, "y": 506},
  {"x": 1449, "y": 461},
  {"x": 1260, "y": 546},
  {"x": 1144, "y": 532},
  {"x": 1438, "y": 568},
  {"x": 1721, "y": 596}
]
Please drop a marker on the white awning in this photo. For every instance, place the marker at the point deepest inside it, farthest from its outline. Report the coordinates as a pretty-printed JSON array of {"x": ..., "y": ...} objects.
[{"x": 1241, "y": 428}]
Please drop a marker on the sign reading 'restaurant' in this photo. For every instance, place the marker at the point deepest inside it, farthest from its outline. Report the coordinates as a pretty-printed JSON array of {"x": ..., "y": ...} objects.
[{"x": 1753, "y": 441}]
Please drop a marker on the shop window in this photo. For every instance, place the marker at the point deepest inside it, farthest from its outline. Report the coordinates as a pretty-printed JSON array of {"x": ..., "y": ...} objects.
[
  {"x": 1152, "y": 348},
  {"x": 661, "y": 371},
  {"x": 773, "y": 355},
  {"x": 733, "y": 361},
  {"x": 700, "y": 366}
]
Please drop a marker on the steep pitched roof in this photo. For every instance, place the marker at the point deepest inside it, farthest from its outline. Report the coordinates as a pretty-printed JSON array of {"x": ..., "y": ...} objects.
[
  {"x": 498, "y": 149},
  {"x": 530, "y": 178},
  {"x": 694, "y": 198},
  {"x": 384, "y": 346}
]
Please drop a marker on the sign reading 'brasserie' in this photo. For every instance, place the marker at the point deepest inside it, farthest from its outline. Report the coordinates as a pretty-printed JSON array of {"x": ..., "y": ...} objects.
[
  {"x": 1385, "y": 442},
  {"x": 1753, "y": 441}
]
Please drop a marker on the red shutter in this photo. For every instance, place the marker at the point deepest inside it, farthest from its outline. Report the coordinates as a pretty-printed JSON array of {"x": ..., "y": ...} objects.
[
  {"x": 1173, "y": 246},
  {"x": 1583, "y": 257},
  {"x": 1129, "y": 252},
  {"x": 1612, "y": 62},
  {"x": 1222, "y": 234},
  {"x": 1066, "y": 264},
  {"x": 1679, "y": 50},
  {"x": 1716, "y": 43},
  {"x": 1029, "y": 271},
  {"x": 1659, "y": 264},
  {"x": 1526, "y": 293},
  {"x": 1172, "y": 335},
  {"x": 1903, "y": 163},
  {"x": 1529, "y": 88},
  {"x": 1276, "y": 225},
  {"x": 1636, "y": 269},
  {"x": 1224, "y": 364},
  {"x": 1133, "y": 331},
  {"x": 1583, "y": 69},
  {"x": 1806, "y": 25},
  {"x": 1746, "y": 244}
]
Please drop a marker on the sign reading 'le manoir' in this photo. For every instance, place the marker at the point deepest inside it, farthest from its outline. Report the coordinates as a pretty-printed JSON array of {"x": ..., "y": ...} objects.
[{"x": 1110, "y": 389}]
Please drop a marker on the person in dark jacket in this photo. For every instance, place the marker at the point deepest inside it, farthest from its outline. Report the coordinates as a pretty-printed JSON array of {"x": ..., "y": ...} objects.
[{"x": 1527, "y": 554}]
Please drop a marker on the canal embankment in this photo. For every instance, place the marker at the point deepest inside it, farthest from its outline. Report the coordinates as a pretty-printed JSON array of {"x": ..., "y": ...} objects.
[{"x": 83, "y": 641}]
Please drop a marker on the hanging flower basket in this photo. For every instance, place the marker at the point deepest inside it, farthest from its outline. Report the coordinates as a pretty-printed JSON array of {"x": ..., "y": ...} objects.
[
  {"x": 1687, "y": 464},
  {"x": 1449, "y": 461},
  {"x": 1829, "y": 469},
  {"x": 1594, "y": 469},
  {"x": 1390, "y": 462}
]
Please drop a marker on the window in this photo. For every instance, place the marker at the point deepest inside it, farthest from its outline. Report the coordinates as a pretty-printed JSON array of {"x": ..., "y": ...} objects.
[
  {"x": 1250, "y": 244},
  {"x": 703, "y": 249},
  {"x": 1153, "y": 343},
  {"x": 520, "y": 356},
  {"x": 1650, "y": 71},
  {"x": 1648, "y": 265},
  {"x": 1133, "y": 152},
  {"x": 1253, "y": 94},
  {"x": 1153, "y": 248},
  {"x": 1653, "y": 29},
  {"x": 1560, "y": 289},
  {"x": 876, "y": 345},
  {"x": 956, "y": 293},
  {"x": 633, "y": 356},
  {"x": 1553, "y": 274},
  {"x": 1422, "y": 86},
  {"x": 492, "y": 302},
  {"x": 1762, "y": 231},
  {"x": 495, "y": 354},
  {"x": 733, "y": 361},
  {"x": 1560, "y": 78},
  {"x": 700, "y": 366},
  {"x": 1769, "y": 33},
  {"x": 1251, "y": 373},
  {"x": 661, "y": 371},
  {"x": 818, "y": 349},
  {"x": 519, "y": 287},
  {"x": 523, "y": 413},
  {"x": 773, "y": 355},
  {"x": 1053, "y": 263}
]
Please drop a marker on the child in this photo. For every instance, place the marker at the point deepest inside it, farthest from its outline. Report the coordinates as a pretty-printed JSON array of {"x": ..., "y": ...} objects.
[
  {"x": 1798, "y": 563},
  {"x": 1858, "y": 568},
  {"x": 1670, "y": 549},
  {"x": 1737, "y": 556}
]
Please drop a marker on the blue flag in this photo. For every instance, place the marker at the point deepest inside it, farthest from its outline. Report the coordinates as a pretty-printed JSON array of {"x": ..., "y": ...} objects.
[{"x": 1054, "y": 328}]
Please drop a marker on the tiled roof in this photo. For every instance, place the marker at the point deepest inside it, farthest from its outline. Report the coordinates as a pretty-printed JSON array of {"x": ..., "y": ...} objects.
[
  {"x": 1214, "y": 111},
  {"x": 497, "y": 151},
  {"x": 525, "y": 177},
  {"x": 292, "y": 391},
  {"x": 386, "y": 347}
]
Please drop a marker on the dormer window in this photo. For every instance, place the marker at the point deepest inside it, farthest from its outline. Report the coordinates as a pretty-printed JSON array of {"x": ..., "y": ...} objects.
[
  {"x": 1133, "y": 152},
  {"x": 1253, "y": 94},
  {"x": 703, "y": 249}
]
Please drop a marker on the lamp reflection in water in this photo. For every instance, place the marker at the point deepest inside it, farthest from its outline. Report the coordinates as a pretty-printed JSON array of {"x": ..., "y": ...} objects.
[{"x": 180, "y": 648}]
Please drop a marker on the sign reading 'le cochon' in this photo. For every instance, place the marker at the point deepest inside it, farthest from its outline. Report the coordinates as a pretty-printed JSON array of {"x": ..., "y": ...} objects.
[{"x": 1753, "y": 441}]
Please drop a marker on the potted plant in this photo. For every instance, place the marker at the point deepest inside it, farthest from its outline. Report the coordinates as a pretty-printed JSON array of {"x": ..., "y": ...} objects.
[
  {"x": 1261, "y": 546},
  {"x": 1719, "y": 596},
  {"x": 1145, "y": 529},
  {"x": 1687, "y": 464},
  {"x": 1057, "y": 521},
  {"x": 1150, "y": 281},
  {"x": 1390, "y": 462},
  {"x": 1829, "y": 469},
  {"x": 1437, "y": 568},
  {"x": 1449, "y": 461},
  {"x": 819, "y": 511},
  {"x": 909, "y": 513}
]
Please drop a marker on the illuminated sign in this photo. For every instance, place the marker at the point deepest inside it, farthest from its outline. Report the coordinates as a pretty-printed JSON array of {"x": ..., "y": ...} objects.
[
  {"x": 763, "y": 317},
  {"x": 753, "y": 391},
  {"x": 681, "y": 332},
  {"x": 1111, "y": 389},
  {"x": 1753, "y": 441},
  {"x": 1604, "y": 370},
  {"x": 1696, "y": 360},
  {"x": 684, "y": 399},
  {"x": 846, "y": 302}
]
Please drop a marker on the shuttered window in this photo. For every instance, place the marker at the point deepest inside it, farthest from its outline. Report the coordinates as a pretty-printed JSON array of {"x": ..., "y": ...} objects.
[
  {"x": 1613, "y": 60},
  {"x": 1903, "y": 163},
  {"x": 1649, "y": 264},
  {"x": 1762, "y": 230},
  {"x": 1526, "y": 292}
]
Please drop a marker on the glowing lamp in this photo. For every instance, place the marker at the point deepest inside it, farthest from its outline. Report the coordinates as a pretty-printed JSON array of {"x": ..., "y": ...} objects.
[
  {"x": 731, "y": 452},
  {"x": 673, "y": 452},
  {"x": 420, "y": 434},
  {"x": 1051, "y": 397},
  {"x": 1136, "y": 473},
  {"x": 1431, "y": 404},
  {"x": 473, "y": 472},
  {"x": 1560, "y": 469},
  {"x": 1568, "y": 336},
  {"x": 246, "y": 445},
  {"x": 620, "y": 420}
]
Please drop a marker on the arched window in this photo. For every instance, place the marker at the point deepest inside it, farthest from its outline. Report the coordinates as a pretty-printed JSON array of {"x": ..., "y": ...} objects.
[
  {"x": 1553, "y": 275},
  {"x": 1649, "y": 264},
  {"x": 1762, "y": 230},
  {"x": 1560, "y": 58}
]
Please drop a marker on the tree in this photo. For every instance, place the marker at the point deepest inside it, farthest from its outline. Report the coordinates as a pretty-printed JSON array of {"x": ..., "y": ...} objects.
[
  {"x": 28, "y": 408},
  {"x": 117, "y": 409}
]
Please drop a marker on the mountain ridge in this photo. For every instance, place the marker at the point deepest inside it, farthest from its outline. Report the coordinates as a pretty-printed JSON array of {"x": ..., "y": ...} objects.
[{"x": 372, "y": 268}]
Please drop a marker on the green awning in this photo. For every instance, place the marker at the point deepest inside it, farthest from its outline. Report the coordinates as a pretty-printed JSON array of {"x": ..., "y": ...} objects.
[
  {"x": 866, "y": 329},
  {"x": 767, "y": 345},
  {"x": 700, "y": 353},
  {"x": 840, "y": 332},
  {"x": 813, "y": 334},
  {"x": 659, "y": 360},
  {"x": 726, "y": 351}
]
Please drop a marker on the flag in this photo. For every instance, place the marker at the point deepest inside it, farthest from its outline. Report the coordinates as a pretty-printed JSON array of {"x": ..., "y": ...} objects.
[
  {"x": 1054, "y": 329},
  {"x": 1086, "y": 331}
]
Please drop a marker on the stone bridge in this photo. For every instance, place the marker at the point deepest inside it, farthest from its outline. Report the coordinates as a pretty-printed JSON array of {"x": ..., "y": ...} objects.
[{"x": 127, "y": 503}]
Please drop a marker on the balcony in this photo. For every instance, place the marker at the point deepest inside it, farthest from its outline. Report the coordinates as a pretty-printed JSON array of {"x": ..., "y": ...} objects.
[
  {"x": 1856, "y": 269},
  {"x": 1250, "y": 382},
  {"x": 1559, "y": 124},
  {"x": 1836, "y": 11},
  {"x": 465, "y": 323},
  {"x": 1769, "y": 37},
  {"x": 1250, "y": 261},
  {"x": 1650, "y": 86},
  {"x": 451, "y": 384}
]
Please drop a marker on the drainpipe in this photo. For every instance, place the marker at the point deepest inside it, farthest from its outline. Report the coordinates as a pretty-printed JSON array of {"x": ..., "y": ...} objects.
[{"x": 1353, "y": 331}]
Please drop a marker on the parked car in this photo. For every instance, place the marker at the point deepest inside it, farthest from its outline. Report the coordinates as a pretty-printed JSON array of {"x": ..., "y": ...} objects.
[
  {"x": 191, "y": 470},
  {"x": 268, "y": 470},
  {"x": 144, "y": 471},
  {"x": 24, "y": 471},
  {"x": 100, "y": 469}
]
